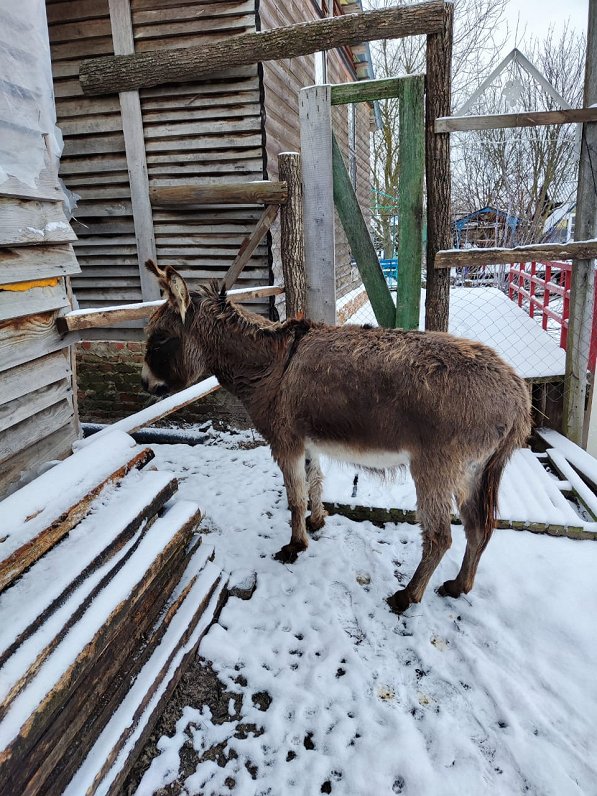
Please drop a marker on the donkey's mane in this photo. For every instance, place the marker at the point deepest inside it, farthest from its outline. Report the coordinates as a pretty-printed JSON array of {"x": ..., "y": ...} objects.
[{"x": 214, "y": 299}]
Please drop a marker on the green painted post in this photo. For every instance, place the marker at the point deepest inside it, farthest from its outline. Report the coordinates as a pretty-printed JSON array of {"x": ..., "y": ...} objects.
[
  {"x": 360, "y": 242},
  {"x": 410, "y": 222}
]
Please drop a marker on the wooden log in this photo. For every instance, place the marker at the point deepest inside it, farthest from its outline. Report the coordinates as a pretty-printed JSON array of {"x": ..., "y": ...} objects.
[
  {"x": 360, "y": 242},
  {"x": 249, "y": 245},
  {"x": 112, "y": 316},
  {"x": 410, "y": 224},
  {"x": 315, "y": 114},
  {"x": 121, "y": 73},
  {"x": 369, "y": 90},
  {"x": 235, "y": 193},
  {"x": 456, "y": 124},
  {"x": 437, "y": 165},
  {"x": 582, "y": 288},
  {"x": 292, "y": 235},
  {"x": 25, "y": 542},
  {"x": 461, "y": 258}
]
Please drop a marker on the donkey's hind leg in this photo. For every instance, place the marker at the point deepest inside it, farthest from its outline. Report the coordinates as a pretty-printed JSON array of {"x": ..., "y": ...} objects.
[
  {"x": 316, "y": 520},
  {"x": 293, "y": 470},
  {"x": 477, "y": 539},
  {"x": 434, "y": 499}
]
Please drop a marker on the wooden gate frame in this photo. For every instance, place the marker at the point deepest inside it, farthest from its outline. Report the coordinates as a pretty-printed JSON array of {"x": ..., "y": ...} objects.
[{"x": 327, "y": 183}]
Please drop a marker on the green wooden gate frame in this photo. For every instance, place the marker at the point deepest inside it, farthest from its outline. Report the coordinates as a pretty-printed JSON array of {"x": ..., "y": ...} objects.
[{"x": 316, "y": 120}]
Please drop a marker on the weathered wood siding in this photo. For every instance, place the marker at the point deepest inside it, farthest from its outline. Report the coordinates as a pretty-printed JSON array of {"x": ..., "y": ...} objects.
[
  {"x": 209, "y": 131},
  {"x": 38, "y": 418},
  {"x": 282, "y": 81}
]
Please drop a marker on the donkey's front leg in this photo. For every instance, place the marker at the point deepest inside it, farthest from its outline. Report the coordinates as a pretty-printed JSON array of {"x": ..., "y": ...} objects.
[
  {"x": 293, "y": 470},
  {"x": 316, "y": 519}
]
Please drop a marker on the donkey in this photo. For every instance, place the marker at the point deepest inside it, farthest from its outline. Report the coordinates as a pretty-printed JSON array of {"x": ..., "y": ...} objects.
[{"x": 450, "y": 408}]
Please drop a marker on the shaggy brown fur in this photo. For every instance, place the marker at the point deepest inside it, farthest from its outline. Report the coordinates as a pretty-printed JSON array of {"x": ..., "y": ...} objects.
[{"x": 449, "y": 407}]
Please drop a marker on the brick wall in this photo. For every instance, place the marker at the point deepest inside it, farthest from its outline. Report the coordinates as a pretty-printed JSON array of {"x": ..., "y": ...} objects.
[{"x": 109, "y": 388}]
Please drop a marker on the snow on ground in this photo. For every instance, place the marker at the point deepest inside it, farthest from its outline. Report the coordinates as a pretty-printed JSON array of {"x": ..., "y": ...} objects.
[{"x": 490, "y": 694}]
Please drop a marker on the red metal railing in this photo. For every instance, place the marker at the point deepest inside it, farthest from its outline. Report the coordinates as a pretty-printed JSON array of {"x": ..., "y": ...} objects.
[{"x": 523, "y": 284}]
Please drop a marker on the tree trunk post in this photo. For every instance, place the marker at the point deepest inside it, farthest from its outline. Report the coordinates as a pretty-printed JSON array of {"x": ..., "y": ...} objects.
[
  {"x": 292, "y": 231},
  {"x": 437, "y": 157},
  {"x": 582, "y": 289},
  {"x": 315, "y": 113}
]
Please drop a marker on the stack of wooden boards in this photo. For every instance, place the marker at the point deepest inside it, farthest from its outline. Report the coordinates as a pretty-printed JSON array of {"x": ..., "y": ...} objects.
[{"x": 105, "y": 593}]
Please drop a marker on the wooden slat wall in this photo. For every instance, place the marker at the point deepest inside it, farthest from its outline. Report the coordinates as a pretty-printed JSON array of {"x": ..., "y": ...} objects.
[
  {"x": 282, "y": 81},
  {"x": 209, "y": 131},
  {"x": 37, "y": 412}
]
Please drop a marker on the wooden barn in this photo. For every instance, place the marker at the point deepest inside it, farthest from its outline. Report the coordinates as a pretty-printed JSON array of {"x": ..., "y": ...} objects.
[{"x": 120, "y": 150}]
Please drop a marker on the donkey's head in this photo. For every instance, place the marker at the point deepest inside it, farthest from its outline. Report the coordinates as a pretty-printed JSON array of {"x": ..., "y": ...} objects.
[{"x": 173, "y": 357}]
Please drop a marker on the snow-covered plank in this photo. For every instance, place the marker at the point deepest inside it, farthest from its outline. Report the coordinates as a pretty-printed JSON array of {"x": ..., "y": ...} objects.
[
  {"x": 33, "y": 709},
  {"x": 155, "y": 412},
  {"x": 37, "y": 516},
  {"x": 585, "y": 494},
  {"x": 115, "y": 750},
  {"x": 36, "y": 612},
  {"x": 578, "y": 458}
]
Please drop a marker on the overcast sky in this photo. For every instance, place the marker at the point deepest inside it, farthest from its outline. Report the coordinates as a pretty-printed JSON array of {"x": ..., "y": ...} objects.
[{"x": 534, "y": 17}]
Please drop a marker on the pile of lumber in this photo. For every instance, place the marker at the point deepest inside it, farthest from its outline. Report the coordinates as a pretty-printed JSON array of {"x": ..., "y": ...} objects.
[{"x": 105, "y": 593}]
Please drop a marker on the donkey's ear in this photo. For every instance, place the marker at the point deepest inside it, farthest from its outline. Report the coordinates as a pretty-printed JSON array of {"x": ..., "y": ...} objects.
[{"x": 178, "y": 293}]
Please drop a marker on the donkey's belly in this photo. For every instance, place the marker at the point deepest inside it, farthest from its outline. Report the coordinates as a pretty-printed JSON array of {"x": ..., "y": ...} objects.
[{"x": 374, "y": 459}]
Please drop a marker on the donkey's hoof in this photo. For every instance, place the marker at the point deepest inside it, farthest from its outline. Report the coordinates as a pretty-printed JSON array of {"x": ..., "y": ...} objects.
[
  {"x": 399, "y": 601},
  {"x": 449, "y": 589},
  {"x": 289, "y": 553},
  {"x": 315, "y": 524}
]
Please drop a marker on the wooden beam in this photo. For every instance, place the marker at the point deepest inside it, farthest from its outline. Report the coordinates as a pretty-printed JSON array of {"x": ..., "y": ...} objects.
[
  {"x": 459, "y": 258},
  {"x": 456, "y": 124},
  {"x": 235, "y": 193},
  {"x": 368, "y": 90},
  {"x": 292, "y": 235},
  {"x": 134, "y": 144},
  {"x": 249, "y": 245},
  {"x": 113, "y": 316},
  {"x": 582, "y": 288},
  {"x": 437, "y": 171},
  {"x": 315, "y": 113},
  {"x": 112, "y": 74},
  {"x": 412, "y": 168},
  {"x": 361, "y": 245}
]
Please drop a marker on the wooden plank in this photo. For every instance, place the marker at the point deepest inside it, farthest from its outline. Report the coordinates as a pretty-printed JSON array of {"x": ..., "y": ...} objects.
[
  {"x": 46, "y": 187},
  {"x": 132, "y": 128},
  {"x": 581, "y": 490},
  {"x": 582, "y": 461},
  {"x": 368, "y": 90},
  {"x": 410, "y": 222},
  {"x": 19, "y": 437},
  {"x": 192, "y": 12},
  {"x": 31, "y": 221},
  {"x": 318, "y": 192},
  {"x": 437, "y": 172},
  {"x": 582, "y": 289},
  {"x": 25, "y": 263},
  {"x": 33, "y": 300},
  {"x": 85, "y": 319},
  {"x": 40, "y": 372},
  {"x": 461, "y": 258},
  {"x": 292, "y": 235},
  {"x": 261, "y": 192},
  {"x": 456, "y": 124},
  {"x": 33, "y": 402},
  {"x": 360, "y": 242},
  {"x": 107, "y": 75},
  {"x": 29, "y": 537},
  {"x": 249, "y": 245}
]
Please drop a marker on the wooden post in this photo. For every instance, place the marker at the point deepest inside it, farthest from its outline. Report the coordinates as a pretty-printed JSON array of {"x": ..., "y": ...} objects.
[
  {"x": 437, "y": 157},
  {"x": 315, "y": 113},
  {"x": 412, "y": 166},
  {"x": 134, "y": 144},
  {"x": 292, "y": 244},
  {"x": 229, "y": 193},
  {"x": 360, "y": 242},
  {"x": 582, "y": 290}
]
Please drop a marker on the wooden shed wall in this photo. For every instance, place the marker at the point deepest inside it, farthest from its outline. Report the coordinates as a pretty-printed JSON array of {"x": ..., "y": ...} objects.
[
  {"x": 209, "y": 131},
  {"x": 38, "y": 419},
  {"x": 282, "y": 82}
]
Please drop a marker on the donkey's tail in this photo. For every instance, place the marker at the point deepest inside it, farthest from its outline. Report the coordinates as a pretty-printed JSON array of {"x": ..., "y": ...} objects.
[{"x": 491, "y": 476}]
